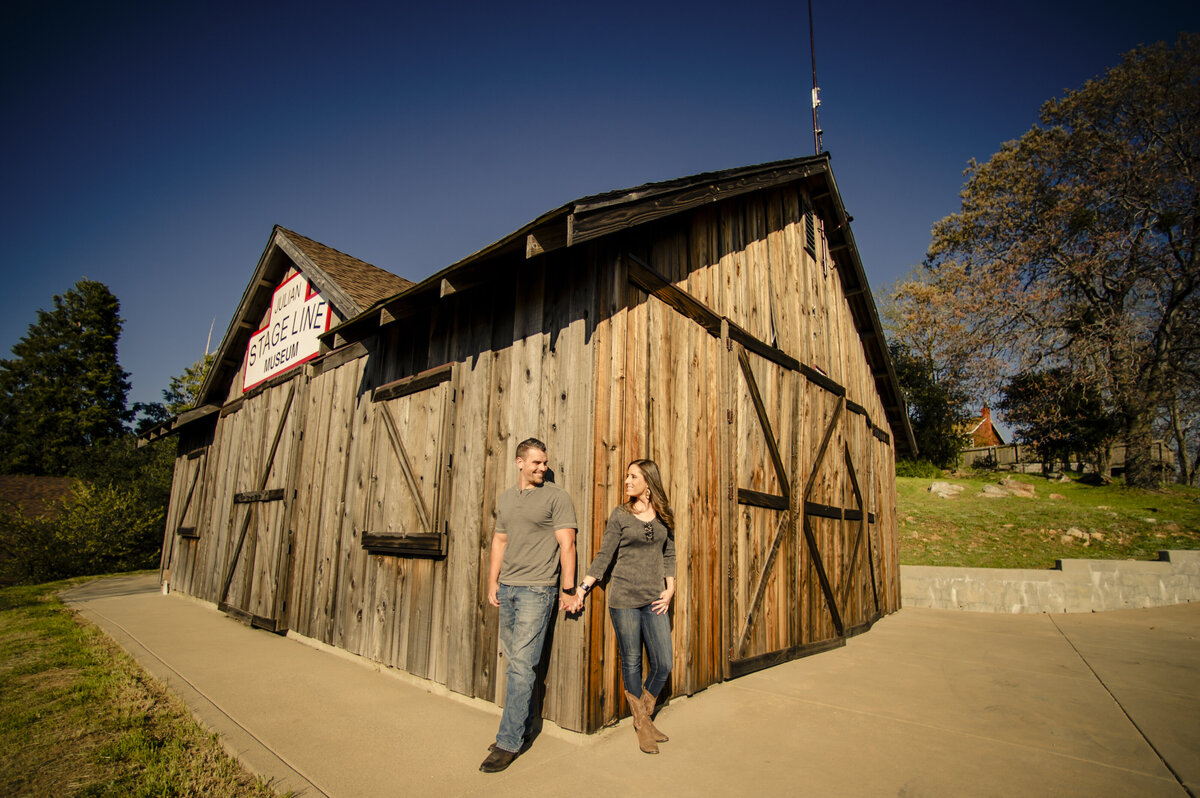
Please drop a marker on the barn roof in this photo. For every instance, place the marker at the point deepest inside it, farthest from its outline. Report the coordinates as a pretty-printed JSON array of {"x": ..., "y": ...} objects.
[
  {"x": 598, "y": 215},
  {"x": 349, "y": 284},
  {"x": 363, "y": 283}
]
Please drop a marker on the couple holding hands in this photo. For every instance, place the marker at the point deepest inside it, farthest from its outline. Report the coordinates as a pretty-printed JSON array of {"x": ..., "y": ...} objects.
[{"x": 533, "y": 546}]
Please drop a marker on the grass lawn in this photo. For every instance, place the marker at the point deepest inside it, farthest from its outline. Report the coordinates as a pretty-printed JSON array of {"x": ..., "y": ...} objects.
[
  {"x": 78, "y": 717},
  {"x": 1011, "y": 532}
]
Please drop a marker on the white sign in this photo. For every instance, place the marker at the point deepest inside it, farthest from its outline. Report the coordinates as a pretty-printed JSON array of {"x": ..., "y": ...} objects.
[{"x": 298, "y": 315}]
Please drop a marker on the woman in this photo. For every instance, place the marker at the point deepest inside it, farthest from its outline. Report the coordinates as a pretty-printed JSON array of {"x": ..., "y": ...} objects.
[{"x": 639, "y": 546}]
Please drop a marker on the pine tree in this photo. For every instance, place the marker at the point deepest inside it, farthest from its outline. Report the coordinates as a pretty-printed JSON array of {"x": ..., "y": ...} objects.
[{"x": 63, "y": 390}]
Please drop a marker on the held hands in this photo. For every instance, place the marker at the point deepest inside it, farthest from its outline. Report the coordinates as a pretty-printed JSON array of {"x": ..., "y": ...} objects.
[
  {"x": 663, "y": 602},
  {"x": 571, "y": 603}
]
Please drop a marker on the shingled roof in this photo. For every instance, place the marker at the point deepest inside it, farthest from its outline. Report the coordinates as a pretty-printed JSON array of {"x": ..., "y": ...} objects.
[
  {"x": 366, "y": 284},
  {"x": 349, "y": 284}
]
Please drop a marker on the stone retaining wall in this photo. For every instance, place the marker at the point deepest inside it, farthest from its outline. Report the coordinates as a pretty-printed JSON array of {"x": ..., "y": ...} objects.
[{"x": 1072, "y": 586}]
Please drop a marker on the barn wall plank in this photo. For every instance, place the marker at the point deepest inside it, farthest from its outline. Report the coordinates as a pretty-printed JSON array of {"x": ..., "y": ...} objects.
[{"x": 566, "y": 349}]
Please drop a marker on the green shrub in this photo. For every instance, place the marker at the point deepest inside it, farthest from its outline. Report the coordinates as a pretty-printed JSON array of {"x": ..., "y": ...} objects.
[
  {"x": 987, "y": 463},
  {"x": 917, "y": 468},
  {"x": 28, "y": 550},
  {"x": 100, "y": 529}
]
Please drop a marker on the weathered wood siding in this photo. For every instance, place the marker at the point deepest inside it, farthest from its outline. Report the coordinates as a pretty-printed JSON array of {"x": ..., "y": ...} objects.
[
  {"x": 669, "y": 389},
  {"x": 741, "y": 373},
  {"x": 520, "y": 366}
]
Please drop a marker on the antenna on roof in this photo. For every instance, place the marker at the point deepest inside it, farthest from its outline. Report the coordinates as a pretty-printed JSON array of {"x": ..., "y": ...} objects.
[
  {"x": 816, "y": 92},
  {"x": 208, "y": 343}
]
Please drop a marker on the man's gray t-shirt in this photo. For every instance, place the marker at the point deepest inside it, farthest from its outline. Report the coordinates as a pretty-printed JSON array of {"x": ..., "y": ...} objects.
[{"x": 530, "y": 518}]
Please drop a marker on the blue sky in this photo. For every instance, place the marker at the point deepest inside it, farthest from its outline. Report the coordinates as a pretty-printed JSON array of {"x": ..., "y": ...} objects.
[{"x": 152, "y": 146}]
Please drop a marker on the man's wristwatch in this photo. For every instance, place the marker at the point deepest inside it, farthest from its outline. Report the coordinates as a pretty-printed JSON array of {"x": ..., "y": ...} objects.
[{"x": 570, "y": 591}]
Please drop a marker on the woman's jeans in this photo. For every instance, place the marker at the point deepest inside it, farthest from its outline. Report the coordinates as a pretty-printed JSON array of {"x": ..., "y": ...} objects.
[
  {"x": 633, "y": 627},
  {"x": 525, "y": 614}
]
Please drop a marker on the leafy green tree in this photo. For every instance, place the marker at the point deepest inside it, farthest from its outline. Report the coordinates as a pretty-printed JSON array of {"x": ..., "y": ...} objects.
[
  {"x": 1060, "y": 416},
  {"x": 63, "y": 390},
  {"x": 114, "y": 519},
  {"x": 178, "y": 397},
  {"x": 937, "y": 405},
  {"x": 184, "y": 389},
  {"x": 99, "y": 529},
  {"x": 141, "y": 475},
  {"x": 1077, "y": 243}
]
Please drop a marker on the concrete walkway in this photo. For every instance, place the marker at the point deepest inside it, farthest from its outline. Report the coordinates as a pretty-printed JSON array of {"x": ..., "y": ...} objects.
[{"x": 927, "y": 703}]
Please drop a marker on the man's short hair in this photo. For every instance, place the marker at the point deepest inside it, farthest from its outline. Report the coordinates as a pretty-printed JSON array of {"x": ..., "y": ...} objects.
[{"x": 530, "y": 443}]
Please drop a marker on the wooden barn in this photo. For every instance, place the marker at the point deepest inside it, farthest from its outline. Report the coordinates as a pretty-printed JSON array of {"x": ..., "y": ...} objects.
[{"x": 338, "y": 478}]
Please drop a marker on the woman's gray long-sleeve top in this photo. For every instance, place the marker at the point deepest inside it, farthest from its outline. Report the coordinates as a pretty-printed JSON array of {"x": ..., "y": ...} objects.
[{"x": 641, "y": 564}]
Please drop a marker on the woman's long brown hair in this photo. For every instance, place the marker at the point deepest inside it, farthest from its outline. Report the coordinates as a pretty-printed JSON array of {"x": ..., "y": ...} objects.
[{"x": 658, "y": 494}]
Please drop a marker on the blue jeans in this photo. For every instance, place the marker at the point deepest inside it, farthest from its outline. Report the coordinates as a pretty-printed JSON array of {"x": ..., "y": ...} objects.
[
  {"x": 525, "y": 614},
  {"x": 633, "y": 627}
]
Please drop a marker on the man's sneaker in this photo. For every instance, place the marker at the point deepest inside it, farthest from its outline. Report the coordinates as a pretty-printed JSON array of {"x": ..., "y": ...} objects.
[{"x": 497, "y": 760}]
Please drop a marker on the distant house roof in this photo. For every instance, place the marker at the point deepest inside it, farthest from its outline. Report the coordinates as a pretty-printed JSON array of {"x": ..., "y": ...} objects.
[
  {"x": 982, "y": 431},
  {"x": 34, "y": 497}
]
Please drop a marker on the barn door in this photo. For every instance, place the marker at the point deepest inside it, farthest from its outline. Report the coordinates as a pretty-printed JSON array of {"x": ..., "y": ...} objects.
[
  {"x": 802, "y": 557},
  {"x": 782, "y": 594},
  {"x": 184, "y": 516},
  {"x": 410, "y": 466},
  {"x": 254, "y": 584}
]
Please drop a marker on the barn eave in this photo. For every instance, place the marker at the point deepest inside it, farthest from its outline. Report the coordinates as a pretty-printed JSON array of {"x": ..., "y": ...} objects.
[
  {"x": 349, "y": 284},
  {"x": 596, "y": 216}
]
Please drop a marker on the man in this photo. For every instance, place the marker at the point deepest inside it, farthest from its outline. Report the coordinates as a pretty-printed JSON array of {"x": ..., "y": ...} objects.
[{"x": 533, "y": 543}]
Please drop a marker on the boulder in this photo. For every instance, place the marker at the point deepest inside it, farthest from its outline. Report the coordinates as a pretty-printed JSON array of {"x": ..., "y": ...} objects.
[
  {"x": 1018, "y": 488},
  {"x": 945, "y": 489}
]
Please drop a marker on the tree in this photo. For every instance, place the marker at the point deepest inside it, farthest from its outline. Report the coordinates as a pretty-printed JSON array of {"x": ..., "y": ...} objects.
[
  {"x": 1076, "y": 244},
  {"x": 183, "y": 391},
  {"x": 141, "y": 475},
  {"x": 64, "y": 390},
  {"x": 1181, "y": 420},
  {"x": 99, "y": 529},
  {"x": 179, "y": 396},
  {"x": 1059, "y": 416},
  {"x": 114, "y": 519},
  {"x": 937, "y": 405}
]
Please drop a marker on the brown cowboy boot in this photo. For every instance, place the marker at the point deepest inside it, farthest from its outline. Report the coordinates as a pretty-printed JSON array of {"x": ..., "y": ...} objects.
[
  {"x": 649, "y": 700},
  {"x": 641, "y": 724}
]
